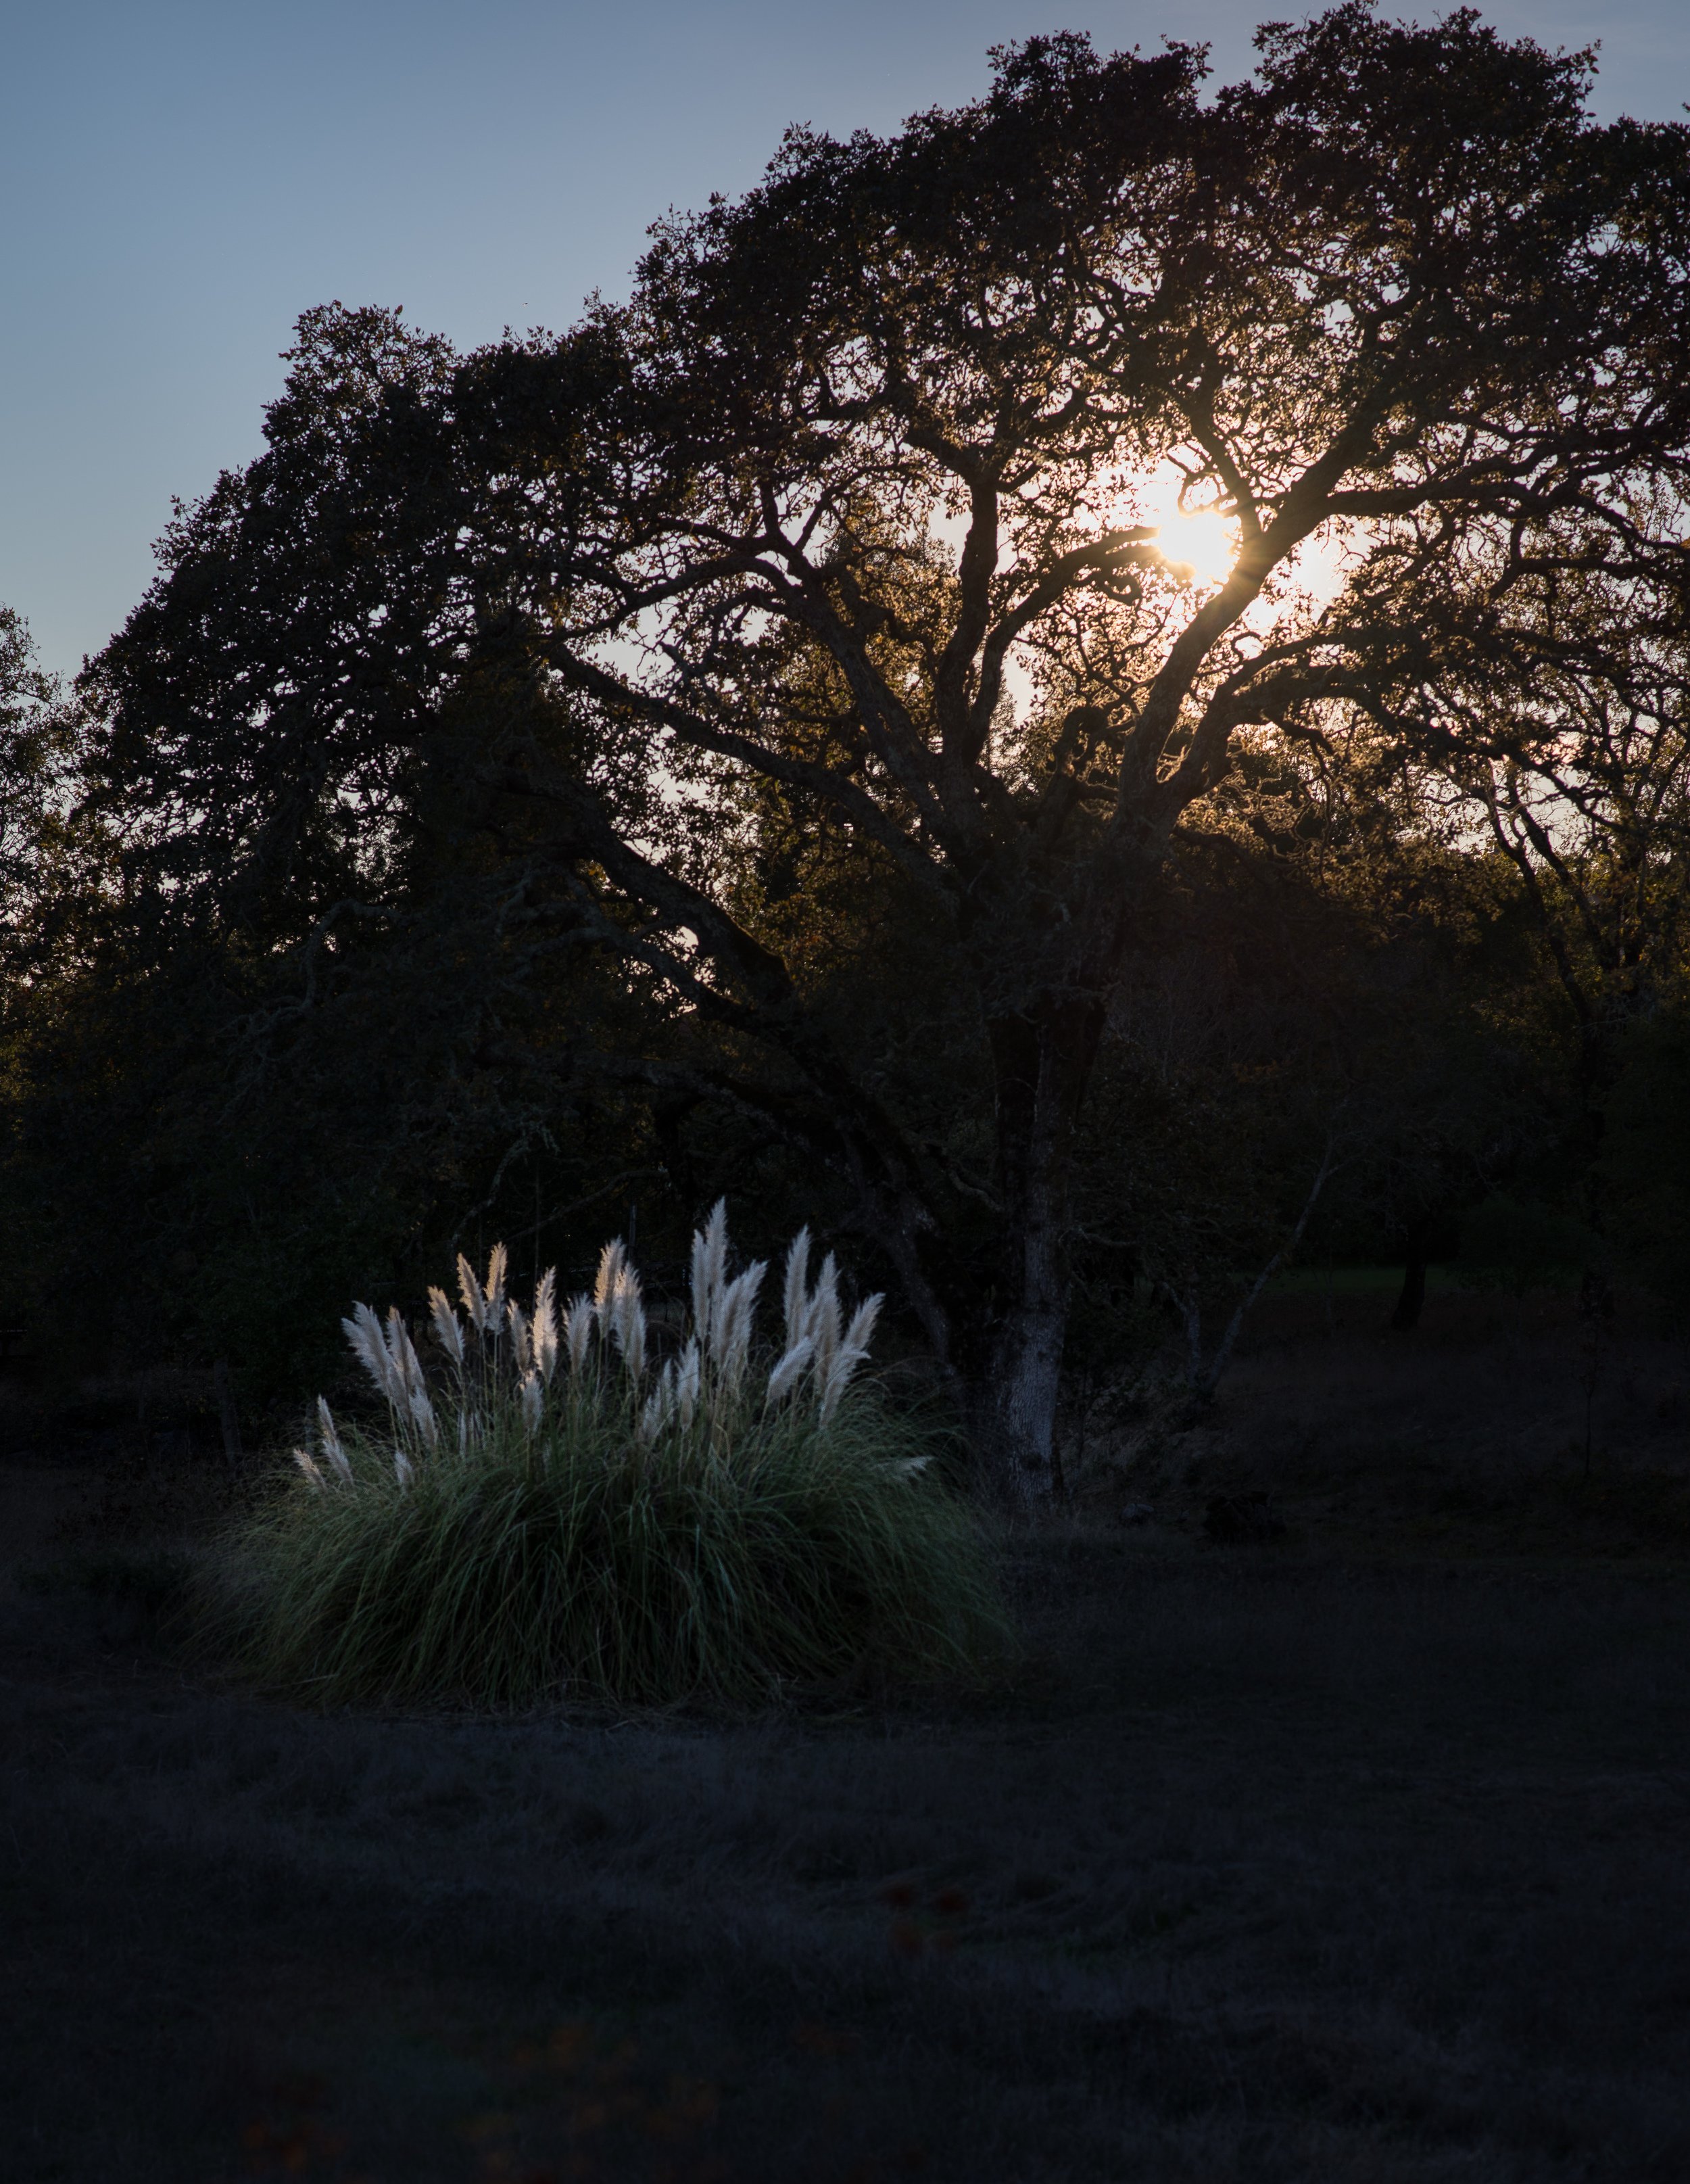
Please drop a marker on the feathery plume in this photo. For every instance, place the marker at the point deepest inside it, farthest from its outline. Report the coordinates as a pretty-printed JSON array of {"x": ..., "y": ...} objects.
[
  {"x": 401, "y": 1468},
  {"x": 470, "y": 1290},
  {"x": 709, "y": 1271},
  {"x": 393, "y": 1341},
  {"x": 860, "y": 1333},
  {"x": 659, "y": 1405},
  {"x": 532, "y": 1397},
  {"x": 823, "y": 1324},
  {"x": 628, "y": 1322},
  {"x": 423, "y": 1418},
  {"x": 546, "y": 1324},
  {"x": 715, "y": 1335},
  {"x": 851, "y": 1353},
  {"x": 634, "y": 1346},
  {"x": 363, "y": 1332},
  {"x": 734, "y": 1322},
  {"x": 331, "y": 1442},
  {"x": 308, "y": 1465},
  {"x": 404, "y": 1368},
  {"x": 845, "y": 1363},
  {"x": 495, "y": 1289},
  {"x": 797, "y": 1290},
  {"x": 701, "y": 1289},
  {"x": 687, "y": 1382},
  {"x": 578, "y": 1324},
  {"x": 447, "y": 1328},
  {"x": 789, "y": 1371},
  {"x": 611, "y": 1261},
  {"x": 519, "y": 1335}
]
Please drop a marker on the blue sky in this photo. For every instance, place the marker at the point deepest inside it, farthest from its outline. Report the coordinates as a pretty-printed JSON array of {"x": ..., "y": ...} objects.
[{"x": 179, "y": 181}]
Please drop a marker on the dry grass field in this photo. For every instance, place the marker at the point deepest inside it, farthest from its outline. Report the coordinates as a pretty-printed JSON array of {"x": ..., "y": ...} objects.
[{"x": 1356, "y": 1854}]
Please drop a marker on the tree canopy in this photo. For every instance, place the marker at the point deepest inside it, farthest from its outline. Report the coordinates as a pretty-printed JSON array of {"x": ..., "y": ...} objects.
[{"x": 808, "y": 618}]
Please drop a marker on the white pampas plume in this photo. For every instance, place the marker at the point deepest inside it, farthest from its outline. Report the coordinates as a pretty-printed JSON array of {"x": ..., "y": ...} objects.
[
  {"x": 611, "y": 1261},
  {"x": 519, "y": 1337},
  {"x": 714, "y": 1337},
  {"x": 861, "y": 1331},
  {"x": 401, "y": 1468},
  {"x": 850, "y": 1354},
  {"x": 659, "y": 1405},
  {"x": 308, "y": 1465},
  {"x": 734, "y": 1323},
  {"x": 701, "y": 1289},
  {"x": 332, "y": 1441},
  {"x": 788, "y": 1373},
  {"x": 532, "y": 1397},
  {"x": 798, "y": 1291},
  {"x": 364, "y": 1333},
  {"x": 844, "y": 1364},
  {"x": 686, "y": 1383},
  {"x": 409, "y": 1389},
  {"x": 393, "y": 1341},
  {"x": 448, "y": 1328},
  {"x": 546, "y": 1324},
  {"x": 822, "y": 1325},
  {"x": 578, "y": 1324},
  {"x": 907, "y": 1467},
  {"x": 709, "y": 1271},
  {"x": 494, "y": 1292},
  {"x": 404, "y": 1368},
  {"x": 470, "y": 1290},
  {"x": 628, "y": 1322}
]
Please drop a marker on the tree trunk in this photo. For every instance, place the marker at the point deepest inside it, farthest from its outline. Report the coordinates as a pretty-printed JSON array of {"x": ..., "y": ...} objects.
[
  {"x": 1041, "y": 1065},
  {"x": 1012, "y": 1409}
]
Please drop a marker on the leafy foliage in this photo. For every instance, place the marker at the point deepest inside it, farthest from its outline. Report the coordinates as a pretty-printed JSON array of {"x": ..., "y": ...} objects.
[{"x": 765, "y": 726}]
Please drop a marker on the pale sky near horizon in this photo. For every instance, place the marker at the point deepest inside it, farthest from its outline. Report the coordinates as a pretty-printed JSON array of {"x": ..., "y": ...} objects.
[{"x": 181, "y": 178}]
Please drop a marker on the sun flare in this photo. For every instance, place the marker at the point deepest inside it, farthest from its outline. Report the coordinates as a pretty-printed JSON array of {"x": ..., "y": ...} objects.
[
  {"x": 1200, "y": 539},
  {"x": 1205, "y": 542}
]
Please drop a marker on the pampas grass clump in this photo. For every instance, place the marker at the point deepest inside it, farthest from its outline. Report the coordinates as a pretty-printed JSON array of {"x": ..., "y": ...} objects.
[{"x": 553, "y": 1514}]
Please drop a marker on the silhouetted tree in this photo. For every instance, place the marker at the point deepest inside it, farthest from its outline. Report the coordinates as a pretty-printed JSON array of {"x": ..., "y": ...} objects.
[{"x": 778, "y": 533}]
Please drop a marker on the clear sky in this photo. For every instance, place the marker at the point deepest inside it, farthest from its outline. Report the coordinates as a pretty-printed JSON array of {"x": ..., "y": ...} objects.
[{"x": 180, "y": 179}]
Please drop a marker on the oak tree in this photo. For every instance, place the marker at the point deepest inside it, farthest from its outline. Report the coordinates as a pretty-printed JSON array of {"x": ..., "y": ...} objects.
[{"x": 843, "y": 533}]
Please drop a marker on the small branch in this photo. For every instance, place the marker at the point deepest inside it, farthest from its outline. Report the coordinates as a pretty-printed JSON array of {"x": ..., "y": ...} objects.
[{"x": 1204, "y": 1380}]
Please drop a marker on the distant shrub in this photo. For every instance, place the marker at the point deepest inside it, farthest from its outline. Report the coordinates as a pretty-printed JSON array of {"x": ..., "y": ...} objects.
[{"x": 552, "y": 1514}]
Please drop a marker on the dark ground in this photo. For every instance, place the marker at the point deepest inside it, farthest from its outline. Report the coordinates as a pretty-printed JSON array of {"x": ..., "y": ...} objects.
[{"x": 1359, "y": 1854}]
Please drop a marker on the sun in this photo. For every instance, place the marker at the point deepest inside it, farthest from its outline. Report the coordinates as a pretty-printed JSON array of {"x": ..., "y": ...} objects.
[
  {"x": 1200, "y": 539},
  {"x": 1204, "y": 541}
]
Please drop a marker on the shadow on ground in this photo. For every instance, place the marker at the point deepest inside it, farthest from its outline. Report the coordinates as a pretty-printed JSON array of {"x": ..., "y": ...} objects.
[{"x": 1273, "y": 1863}]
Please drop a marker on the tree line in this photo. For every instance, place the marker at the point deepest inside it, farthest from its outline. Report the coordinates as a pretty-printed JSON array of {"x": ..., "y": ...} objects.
[{"x": 761, "y": 741}]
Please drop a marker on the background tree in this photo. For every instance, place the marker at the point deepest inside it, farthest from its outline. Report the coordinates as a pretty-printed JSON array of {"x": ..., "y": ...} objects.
[
  {"x": 39, "y": 750},
  {"x": 234, "y": 1105},
  {"x": 756, "y": 558}
]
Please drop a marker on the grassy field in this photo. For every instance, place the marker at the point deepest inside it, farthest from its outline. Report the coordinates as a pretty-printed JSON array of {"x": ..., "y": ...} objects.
[{"x": 1359, "y": 1854}]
